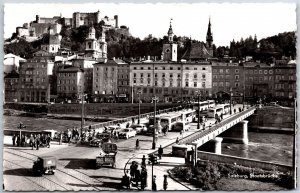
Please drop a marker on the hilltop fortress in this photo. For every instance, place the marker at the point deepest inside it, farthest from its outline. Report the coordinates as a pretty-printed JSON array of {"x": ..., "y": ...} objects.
[{"x": 41, "y": 25}]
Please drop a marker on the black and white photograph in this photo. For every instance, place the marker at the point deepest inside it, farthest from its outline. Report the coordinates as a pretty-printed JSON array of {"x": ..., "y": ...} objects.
[{"x": 149, "y": 97}]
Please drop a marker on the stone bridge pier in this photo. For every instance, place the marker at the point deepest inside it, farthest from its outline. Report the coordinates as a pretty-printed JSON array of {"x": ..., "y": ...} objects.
[
  {"x": 213, "y": 146},
  {"x": 237, "y": 134}
]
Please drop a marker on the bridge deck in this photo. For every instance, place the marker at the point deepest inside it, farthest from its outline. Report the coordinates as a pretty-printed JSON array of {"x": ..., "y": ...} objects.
[{"x": 201, "y": 137}]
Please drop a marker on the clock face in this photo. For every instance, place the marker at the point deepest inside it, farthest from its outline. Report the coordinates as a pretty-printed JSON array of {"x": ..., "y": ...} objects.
[{"x": 167, "y": 50}]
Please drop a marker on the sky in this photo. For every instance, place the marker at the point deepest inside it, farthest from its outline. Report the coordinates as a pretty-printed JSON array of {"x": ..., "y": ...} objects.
[{"x": 229, "y": 21}]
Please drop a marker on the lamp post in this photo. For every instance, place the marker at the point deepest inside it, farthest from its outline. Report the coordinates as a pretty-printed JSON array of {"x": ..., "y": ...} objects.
[
  {"x": 82, "y": 112},
  {"x": 139, "y": 93},
  {"x": 198, "y": 121},
  {"x": 154, "y": 129},
  {"x": 230, "y": 100},
  {"x": 21, "y": 126}
]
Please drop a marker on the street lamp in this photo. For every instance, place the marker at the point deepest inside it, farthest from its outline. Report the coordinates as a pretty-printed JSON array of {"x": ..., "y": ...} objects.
[
  {"x": 139, "y": 93},
  {"x": 21, "y": 126},
  {"x": 154, "y": 129},
  {"x": 82, "y": 112},
  {"x": 230, "y": 100},
  {"x": 198, "y": 121}
]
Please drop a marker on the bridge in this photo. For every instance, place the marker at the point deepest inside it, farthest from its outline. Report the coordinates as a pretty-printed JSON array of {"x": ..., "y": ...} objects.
[{"x": 238, "y": 132}]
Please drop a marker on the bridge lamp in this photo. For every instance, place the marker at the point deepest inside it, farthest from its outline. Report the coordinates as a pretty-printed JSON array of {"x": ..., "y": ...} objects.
[
  {"x": 231, "y": 100},
  {"x": 139, "y": 93},
  {"x": 198, "y": 121}
]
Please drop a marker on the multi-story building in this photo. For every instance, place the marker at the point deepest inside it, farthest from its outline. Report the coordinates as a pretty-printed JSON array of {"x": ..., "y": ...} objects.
[
  {"x": 227, "y": 78},
  {"x": 123, "y": 87},
  {"x": 34, "y": 85},
  {"x": 88, "y": 19},
  {"x": 259, "y": 80},
  {"x": 105, "y": 85},
  {"x": 70, "y": 83},
  {"x": 53, "y": 45},
  {"x": 170, "y": 81},
  {"x": 285, "y": 81},
  {"x": 11, "y": 63},
  {"x": 11, "y": 82}
]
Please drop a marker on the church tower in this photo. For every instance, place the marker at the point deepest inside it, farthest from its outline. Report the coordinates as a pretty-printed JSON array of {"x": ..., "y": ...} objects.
[
  {"x": 91, "y": 44},
  {"x": 170, "y": 48},
  {"x": 209, "y": 40}
]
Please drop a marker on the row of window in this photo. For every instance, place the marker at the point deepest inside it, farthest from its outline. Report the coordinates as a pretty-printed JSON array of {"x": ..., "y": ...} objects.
[
  {"x": 31, "y": 86},
  {"x": 169, "y": 91},
  {"x": 226, "y": 84},
  {"x": 163, "y": 75},
  {"x": 67, "y": 74},
  {"x": 67, "y": 88},
  {"x": 258, "y": 71},
  {"x": 106, "y": 69},
  {"x": 236, "y": 77},
  {"x": 171, "y": 84},
  {"x": 164, "y": 68},
  {"x": 66, "y": 82},
  {"x": 225, "y": 70},
  {"x": 33, "y": 65}
]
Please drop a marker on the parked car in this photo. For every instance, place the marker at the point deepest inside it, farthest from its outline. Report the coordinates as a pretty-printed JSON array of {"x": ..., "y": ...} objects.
[
  {"x": 44, "y": 165},
  {"x": 126, "y": 133},
  {"x": 139, "y": 128},
  {"x": 96, "y": 142}
]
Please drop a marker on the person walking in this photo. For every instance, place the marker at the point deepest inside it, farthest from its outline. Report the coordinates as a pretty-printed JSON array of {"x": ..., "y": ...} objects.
[
  {"x": 38, "y": 141},
  {"x": 137, "y": 144},
  {"x": 31, "y": 141},
  {"x": 18, "y": 140},
  {"x": 48, "y": 139},
  {"x": 14, "y": 140},
  {"x": 60, "y": 137},
  {"x": 144, "y": 161},
  {"x": 160, "y": 151},
  {"x": 165, "y": 184},
  {"x": 69, "y": 133},
  {"x": 154, "y": 188},
  {"x": 137, "y": 177},
  {"x": 143, "y": 178}
]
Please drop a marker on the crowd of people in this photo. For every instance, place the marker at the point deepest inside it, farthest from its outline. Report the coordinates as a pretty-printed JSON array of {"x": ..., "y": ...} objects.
[{"x": 33, "y": 140}]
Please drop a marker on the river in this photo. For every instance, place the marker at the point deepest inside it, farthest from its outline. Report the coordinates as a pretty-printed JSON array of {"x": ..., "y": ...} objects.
[{"x": 269, "y": 147}]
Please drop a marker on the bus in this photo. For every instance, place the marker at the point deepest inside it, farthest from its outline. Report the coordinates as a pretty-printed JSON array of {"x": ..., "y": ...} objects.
[
  {"x": 212, "y": 112},
  {"x": 170, "y": 120},
  {"x": 211, "y": 103},
  {"x": 188, "y": 115},
  {"x": 226, "y": 108},
  {"x": 203, "y": 105}
]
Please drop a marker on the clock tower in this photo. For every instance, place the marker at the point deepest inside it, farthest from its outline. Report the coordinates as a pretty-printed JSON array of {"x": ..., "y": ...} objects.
[{"x": 169, "y": 52}]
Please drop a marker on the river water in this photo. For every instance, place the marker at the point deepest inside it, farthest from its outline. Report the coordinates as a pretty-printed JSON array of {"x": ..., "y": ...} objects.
[{"x": 270, "y": 147}]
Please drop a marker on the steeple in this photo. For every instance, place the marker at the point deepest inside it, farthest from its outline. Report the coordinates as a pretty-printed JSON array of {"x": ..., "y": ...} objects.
[
  {"x": 170, "y": 32},
  {"x": 209, "y": 37}
]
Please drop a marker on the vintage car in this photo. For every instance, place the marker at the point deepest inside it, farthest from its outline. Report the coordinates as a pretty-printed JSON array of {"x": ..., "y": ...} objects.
[
  {"x": 126, "y": 133},
  {"x": 44, "y": 165},
  {"x": 139, "y": 128},
  {"x": 96, "y": 142}
]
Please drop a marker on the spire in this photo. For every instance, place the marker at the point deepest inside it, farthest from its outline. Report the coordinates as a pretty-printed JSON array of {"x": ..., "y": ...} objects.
[
  {"x": 170, "y": 32},
  {"x": 209, "y": 37}
]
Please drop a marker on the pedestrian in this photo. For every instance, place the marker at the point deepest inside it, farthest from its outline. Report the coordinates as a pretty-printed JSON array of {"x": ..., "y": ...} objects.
[
  {"x": 48, "y": 139},
  {"x": 154, "y": 188},
  {"x": 137, "y": 143},
  {"x": 69, "y": 134},
  {"x": 137, "y": 177},
  {"x": 60, "y": 137},
  {"x": 18, "y": 140},
  {"x": 126, "y": 180},
  {"x": 132, "y": 169},
  {"x": 143, "y": 178},
  {"x": 160, "y": 151},
  {"x": 31, "y": 141},
  {"x": 143, "y": 161},
  {"x": 181, "y": 135},
  {"x": 165, "y": 185},
  {"x": 132, "y": 120},
  {"x": 38, "y": 141},
  {"x": 177, "y": 140},
  {"x": 127, "y": 125},
  {"x": 14, "y": 139}
]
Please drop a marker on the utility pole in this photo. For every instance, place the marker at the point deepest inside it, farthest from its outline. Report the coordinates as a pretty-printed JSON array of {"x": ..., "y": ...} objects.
[
  {"x": 198, "y": 121},
  {"x": 230, "y": 101},
  {"x": 154, "y": 129},
  {"x": 139, "y": 93},
  {"x": 82, "y": 112}
]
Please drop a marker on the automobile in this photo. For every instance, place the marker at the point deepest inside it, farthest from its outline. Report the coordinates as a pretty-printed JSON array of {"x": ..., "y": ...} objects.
[
  {"x": 44, "y": 165},
  {"x": 126, "y": 133},
  {"x": 181, "y": 125},
  {"x": 96, "y": 142},
  {"x": 139, "y": 128}
]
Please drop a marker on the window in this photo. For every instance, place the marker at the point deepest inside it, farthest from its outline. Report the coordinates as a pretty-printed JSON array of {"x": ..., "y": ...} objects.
[
  {"x": 236, "y": 77},
  {"x": 164, "y": 68},
  {"x": 134, "y": 75},
  {"x": 186, "y": 84},
  {"x": 227, "y": 71},
  {"x": 171, "y": 75},
  {"x": 134, "y": 81},
  {"x": 195, "y": 84},
  {"x": 203, "y": 68},
  {"x": 134, "y": 68},
  {"x": 236, "y": 70},
  {"x": 227, "y": 76},
  {"x": 255, "y": 71},
  {"x": 178, "y": 75},
  {"x": 237, "y": 84},
  {"x": 142, "y": 75},
  {"x": 203, "y": 76},
  {"x": 250, "y": 71},
  {"x": 163, "y": 75},
  {"x": 221, "y": 70},
  {"x": 220, "y": 83},
  {"x": 270, "y": 71},
  {"x": 90, "y": 45},
  {"x": 270, "y": 78},
  {"x": 149, "y": 75},
  {"x": 260, "y": 71},
  {"x": 155, "y": 83},
  {"x": 260, "y": 79},
  {"x": 227, "y": 84},
  {"x": 179, "y": 68},
  {"x": 195, "y": 68},
  {"x": 265, "y": 71},
  {"x": 171, "y": 68},
  {"x": 163, "y": 83},
  {"x": 215, "y": 76},
  {"x": 149, "y": 68},
  {"x": 155, "y": 75},
  {"x": 187, "y": 68},
  {"x": 142, "y": 68},
  {"x": 195, "y": 75},
  {"x": 215, "y": 84},
  {"x": 203, "y": 84},
  {"x": 265, "y": 78},
  {"x": 155, "y": 68}
]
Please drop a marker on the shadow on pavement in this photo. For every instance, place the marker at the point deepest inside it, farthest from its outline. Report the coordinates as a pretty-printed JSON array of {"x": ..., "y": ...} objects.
[
  {"x": 80, "y": 163},
  {"x": 107, "y": 177},
  {"x": 112, "y": 185},
  {"x": 19, "y": 172}
]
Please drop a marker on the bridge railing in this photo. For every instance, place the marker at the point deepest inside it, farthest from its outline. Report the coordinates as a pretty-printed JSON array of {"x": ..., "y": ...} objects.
[
  {"x": 201, "y": 133},
  {"x": 128, "y": 119}
]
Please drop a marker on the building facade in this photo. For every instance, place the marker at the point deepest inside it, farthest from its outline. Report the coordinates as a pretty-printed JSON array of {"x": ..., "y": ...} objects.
[
  {"x": 95, "y": 48},
  {"x": 123, "y": 87},
  {"x": 34, "y": 85},
  {"x": 11, "y": 83},
  {"x": 70, "y": 83}
]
